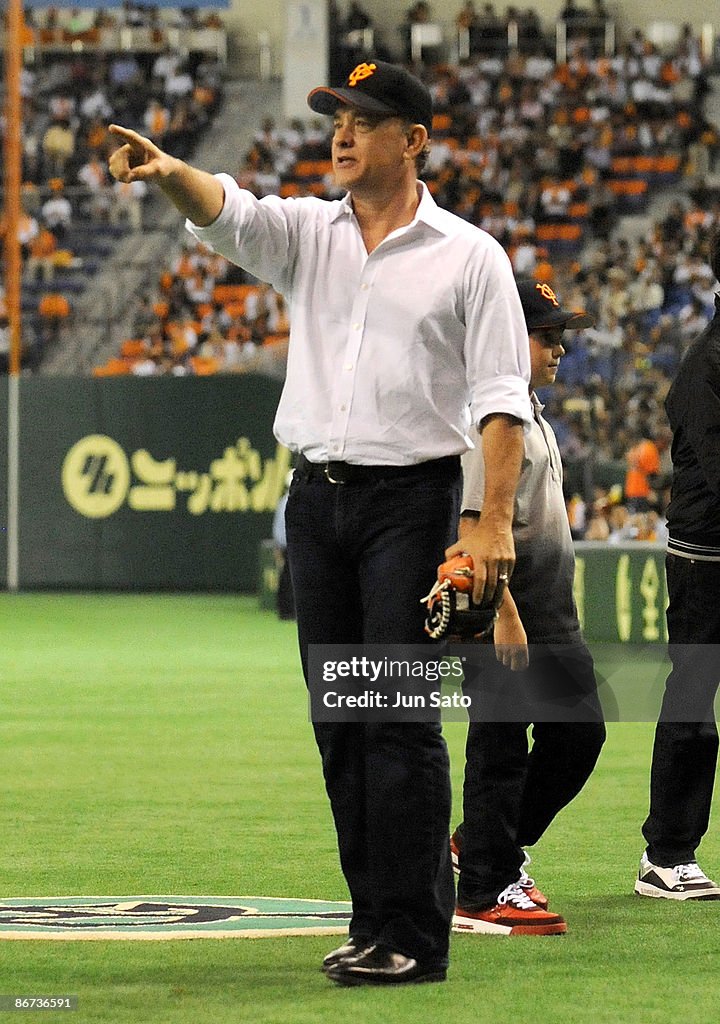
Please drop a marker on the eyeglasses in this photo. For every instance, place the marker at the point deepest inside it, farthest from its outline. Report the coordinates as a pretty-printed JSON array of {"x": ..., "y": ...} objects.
[{"x": 549, "y": 336}]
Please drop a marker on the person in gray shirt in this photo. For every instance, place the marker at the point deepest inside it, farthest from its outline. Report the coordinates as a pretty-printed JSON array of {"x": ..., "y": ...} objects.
[{"x": 540, "y": 672}]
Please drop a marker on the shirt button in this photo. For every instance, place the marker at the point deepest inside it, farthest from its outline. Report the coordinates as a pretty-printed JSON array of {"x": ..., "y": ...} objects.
[
  {"x": 349, "y": 366},
  {"x": 356, "y": 327},
  {"x": 364, "y": 287},
  {"x": 343, "y": 408}
]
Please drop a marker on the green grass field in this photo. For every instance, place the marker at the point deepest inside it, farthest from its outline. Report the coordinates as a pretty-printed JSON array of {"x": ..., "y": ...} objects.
[{"x": 160, "y": 744}]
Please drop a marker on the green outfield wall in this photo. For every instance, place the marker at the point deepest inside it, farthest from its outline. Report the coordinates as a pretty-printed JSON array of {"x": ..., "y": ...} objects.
[
  {"x": 620, "y": 591},
  {"x": 143, "y": 484},
  {"x": 170, "y": 484}
]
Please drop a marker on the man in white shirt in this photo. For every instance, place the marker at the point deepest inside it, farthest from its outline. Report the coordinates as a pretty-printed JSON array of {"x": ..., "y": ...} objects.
[{"x": 403, "y": 318}]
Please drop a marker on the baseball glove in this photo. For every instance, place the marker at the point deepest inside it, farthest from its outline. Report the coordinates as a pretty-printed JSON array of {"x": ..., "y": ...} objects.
[{"x": 451, "y": 611}]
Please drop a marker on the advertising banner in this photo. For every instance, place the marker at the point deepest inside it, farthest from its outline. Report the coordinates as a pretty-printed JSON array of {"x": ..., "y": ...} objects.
[{"x": 138, "y": 484}]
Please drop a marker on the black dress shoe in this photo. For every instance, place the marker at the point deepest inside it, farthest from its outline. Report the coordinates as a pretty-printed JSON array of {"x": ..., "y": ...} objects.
[
  {"x": 380, "y": 965},
  {"x": 352, "y": 948}
]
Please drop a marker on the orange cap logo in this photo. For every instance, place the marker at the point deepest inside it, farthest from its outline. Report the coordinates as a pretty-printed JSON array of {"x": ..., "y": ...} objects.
[
  {"x": 547, "y": 293},
  {"x": 361, "y": 72}
]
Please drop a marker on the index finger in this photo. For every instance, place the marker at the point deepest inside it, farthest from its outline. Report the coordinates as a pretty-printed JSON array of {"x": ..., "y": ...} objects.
[{"x": 126, "y": 133}]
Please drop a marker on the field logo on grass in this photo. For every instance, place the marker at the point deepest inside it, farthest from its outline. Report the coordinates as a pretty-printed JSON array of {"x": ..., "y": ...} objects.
[{"x": 169, "y": 917}]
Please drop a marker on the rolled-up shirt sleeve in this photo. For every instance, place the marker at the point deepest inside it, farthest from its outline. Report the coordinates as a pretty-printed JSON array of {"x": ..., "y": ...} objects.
[
  {"x": 497, "y": 350},
  {"x": 507, "y": 394}
]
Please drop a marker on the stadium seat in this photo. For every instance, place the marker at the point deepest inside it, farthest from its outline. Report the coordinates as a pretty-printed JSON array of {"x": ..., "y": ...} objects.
[
  {"x": 631, "y": 193},
  {"x": 134, "y": 348},
  {"x": 232, "y": 292},
  {"x": 115, "y": 367},
  {"x": 54, "y": 306},
  {"x": 441, "y": 125},
  {"x": 203, "y": 366}
]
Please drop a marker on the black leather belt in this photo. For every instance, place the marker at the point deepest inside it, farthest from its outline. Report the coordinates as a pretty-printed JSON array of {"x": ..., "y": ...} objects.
[{"x": 350, "y": 473}]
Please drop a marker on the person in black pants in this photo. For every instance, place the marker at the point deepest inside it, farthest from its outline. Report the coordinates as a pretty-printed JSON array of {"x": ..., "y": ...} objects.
[
  {"x": 538, "y": 671},
  {"x": 686, "y": 738},
  {"x": 358, "y": 565},
  {"x": 405, "y": 325}
]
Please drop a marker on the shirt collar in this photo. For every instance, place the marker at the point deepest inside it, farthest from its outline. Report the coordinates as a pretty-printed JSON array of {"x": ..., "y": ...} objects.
[
  {"x": 343, "y": 208},
  {"x": 428, "y": 212}
]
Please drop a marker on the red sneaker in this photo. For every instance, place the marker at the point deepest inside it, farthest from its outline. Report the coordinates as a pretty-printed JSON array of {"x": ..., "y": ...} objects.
[
  {"x": 513, "y": 914},
  {"x": 525, "y": 881},
  {"x": 527, "y": 884}
]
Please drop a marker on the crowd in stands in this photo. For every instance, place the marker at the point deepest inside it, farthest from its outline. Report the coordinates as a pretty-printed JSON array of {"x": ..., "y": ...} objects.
[
  {"x": 545, "y": 157},
  {"x": 69, "y": 24},
  {"x": 207, "y": 317},
  {"x": 481, "y": 30},
  {"x": 68, "y": 101}
]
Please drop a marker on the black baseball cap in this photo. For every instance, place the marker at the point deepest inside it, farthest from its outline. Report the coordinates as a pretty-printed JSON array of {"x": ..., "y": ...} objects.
[
  {"x": 378, "y": 88},
  {"x": 543, "y": 309}
]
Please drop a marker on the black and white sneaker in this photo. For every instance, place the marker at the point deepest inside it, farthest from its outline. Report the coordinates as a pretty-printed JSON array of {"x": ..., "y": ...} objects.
[{"x": 680, "y": 882}]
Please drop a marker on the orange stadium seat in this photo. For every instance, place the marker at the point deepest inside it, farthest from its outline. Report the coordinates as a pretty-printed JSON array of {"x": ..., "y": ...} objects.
[
  {"x": 54, "y": 306},
  {"x": 232, "y": 292},
  {"x": 654, "y": 169},
  {"x": 667, "y": 169},
  {"x": 667, "y": 164},
  {"x": 204, "y": 366},
  {"x": 643, "y": 165},
  {"x": 312, "y": 168},
  {"x": 133, "y": 348},
  {"x": 579, "y": 211},
  {"x": 629, "y": 186},
  {"x": 235, "y": 309},
  {"x": 564, "y": 238},
  {"x": 115, "y": 367},
  {"x": 621, "y": 164},
  {"x": 631, "y": 193}
]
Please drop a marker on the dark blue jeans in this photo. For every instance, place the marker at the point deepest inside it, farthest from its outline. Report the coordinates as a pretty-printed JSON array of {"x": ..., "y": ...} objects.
[
  {"x": 686, "y": 737},
  {"x": 362, "y": 555},
  {"x": 512, "y": 792}
]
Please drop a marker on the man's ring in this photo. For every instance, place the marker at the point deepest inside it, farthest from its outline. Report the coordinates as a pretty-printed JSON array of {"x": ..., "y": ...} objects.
[{"x": 504, "y": 577}]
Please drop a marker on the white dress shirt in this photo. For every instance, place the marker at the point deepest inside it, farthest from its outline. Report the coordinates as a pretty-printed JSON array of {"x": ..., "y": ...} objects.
[{"x": 387, "y": 350}]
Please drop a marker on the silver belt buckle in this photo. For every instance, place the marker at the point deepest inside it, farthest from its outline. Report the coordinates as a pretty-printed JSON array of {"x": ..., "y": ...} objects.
[{"x": 331, "y": 479}]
